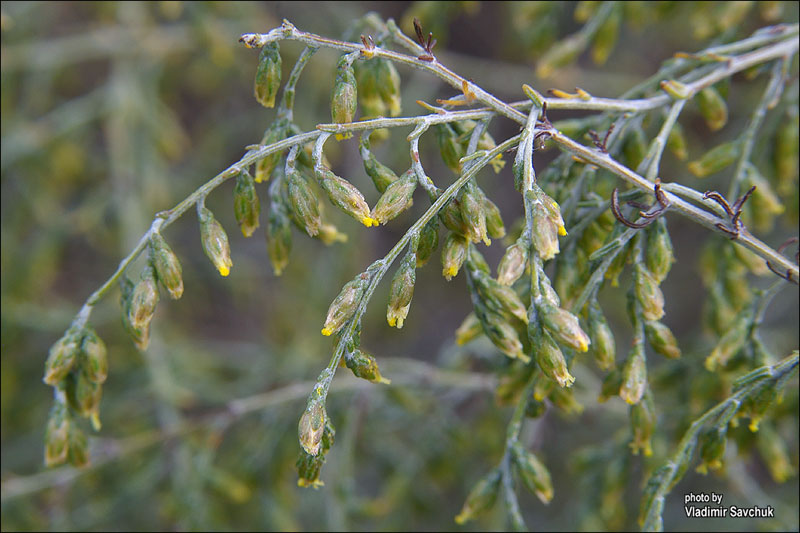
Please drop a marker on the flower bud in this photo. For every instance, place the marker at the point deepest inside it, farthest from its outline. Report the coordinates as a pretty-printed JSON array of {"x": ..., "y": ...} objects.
[
  {"x": 61, "y": 358},
  {"x": 344, "y": 306},
  {"x": 713, "y": 108},
  {"x": 428, "y": 241},
  {"x": 401, "y": 291},
  {"x": 78, "y": 453},
  {"x": 168, "y": 268},
  {"x": 603, "y": 346},
  {"x": 500, "y": 298},
  {"x": 759, "y": 404},
  {"x": 84, "y": 396},
  {"x": 450, "y": 215},
  {"x": 547, "y": 224},
  {"x": 56, "y": 439},
  {"x": 513, "y": 263},
  {"x": 344, "y": 96},
  {"x": 449, "y": 147},
  {"x": 304, "y": 203},
  {"x": 140, "y": 336},
  {"x": 712, "y": 449},
  {"x": 473, "y": 215},
  {"x": 564, "y": 327},
  {"x": 662, "y": 340},
  {"x": 329, "y": 234},
  {"x": 481, "y": 498},
  {"x": 95, "y": 364},
  {"x": 268, "y": 74},
  {"x": 504, "y": 336},
  {"x": 559, "y": 55},
  {"x": 676, "y": 142},
  {"x": 675, "y": 89},
  {"x": 454, "y": 253},
  {"x": 611, "y": 385},
  {"x": 388, "y": 84},
  {"x": 658, "y": 255},
  {"x": 279, "y": 240},
  {"x": 552, "y": 361},
  {"x": 634, "y": 376},
  {"x": 345, "y": 196},
  {"x": 494, "y": 222},
  {"x": 729, "y": 344},
  {"x": 606, "y": 37},
  {"x": 396, "y": 198},
  {"x": 215, "y": 241},
  {"x": 382, "y": 176},
  {"x": 469, "y": 329},
  {"x": 311, "y": 427},
  {"x": 308, "y": 470},
  {"x": 716, "y": 159},
  {"x": 533, "y": 473},
  {"x": 643, "y": 422},
  {"x": 365, "y": 366},
  {"x": 246, "y": 205},
  {"x": 649, "y": 294},
  {"x": 267, "y": 164},
  {"x": 143, "y": 300},
  {"x": 565, "y": 400}
]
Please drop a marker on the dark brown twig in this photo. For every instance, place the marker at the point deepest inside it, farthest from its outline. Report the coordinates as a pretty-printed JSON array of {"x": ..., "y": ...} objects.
[
  {"x": 734, "y": 211},
  {"x": 788, "y": 275},
  {"x": 653, "y": 211},
  {"x": 427, "y": 45},
  {"x": 601, "y": 145}
]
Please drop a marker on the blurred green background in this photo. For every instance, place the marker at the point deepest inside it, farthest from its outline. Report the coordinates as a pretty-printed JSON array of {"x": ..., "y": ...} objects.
[{"x": 113, "y": 111}]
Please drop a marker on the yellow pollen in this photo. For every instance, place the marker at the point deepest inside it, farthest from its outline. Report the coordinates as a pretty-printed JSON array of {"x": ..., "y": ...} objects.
[
  {"x": 224, "y": 270},
  {"x": 327, "y": 332}
]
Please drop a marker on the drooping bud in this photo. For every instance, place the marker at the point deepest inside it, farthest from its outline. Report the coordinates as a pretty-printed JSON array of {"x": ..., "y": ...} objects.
[
  {"x": 308, "y": 470},
  {"x": 473, "y": 214},
  {"x": 143, "y": 300},
  {"x": 78, "y": 453},
  {"x": 428, "y": 241},
  {"x": 304, "y": 203},
  {"x": 662, "y": 340},
  {"x": 345, "y": 304},
  {"x": 84, "y": 396},
  {"x": 494, "y": 222},
  {"x": 634, "y": 376},
  {"x": 279, "y": 240},
  {"x": 345, "y": 196},
  {"x": 513, "y": 263},
  {"x": 382, "y": 176},
  {"x": 713, "y": 108},
  {"x": 533, "y": 473},
  {"x": 476, "y": 261},
  {"x": 649, "y": 294},
  {"x": 730, "y": 343},
  {"x": 344, "y": 98},
  {"x": 167, "y": 266},
  {"x": 401, "y": 291},
  {"x": 267, "y": 164},
  {"x": 716, "y": 159},
  {"x": 56, "y": 439},
  {"x": 547, "y": 223},
  {"x": 643, "y": 422},
  {"x": 450, "y": 148},
  {"x": 676, "y": 142},
  {"x": 481, "y": 498},
  {"x": 500, "y": 298},
  {"x": 450, "y": 215},
  {"x": 454, "y": 253},
  {"x": 388, "y": 84},
  {"x": 311, "y": 426},
  {"x": 551, "y": 360},
  {"x": 62, "y": 357},
  {"x": 95, "y": 364},
  {"x": 365, "y": 366},
  {"x": 603, "y": 346},
  {"x": 246, "y": 205},
  {"x": 504, "y": 336},
  {"x": 611, "y": 385},
  {"x": 658, "y": 255},
  {"x": 469, "y": 329},
  {"x": 396, "y": 198},
  {"x": 140, "y": 336},
  {"x": 215, "y": 241},
  {"x": 268, "y": 74},
  {"x": 564, "y": 327},
  {"x": 712, "y": 449}
]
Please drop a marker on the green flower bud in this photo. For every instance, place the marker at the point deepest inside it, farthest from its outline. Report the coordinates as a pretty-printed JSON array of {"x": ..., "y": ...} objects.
[
  {"x": 611, "y": 385},
  {"x": 547, "y": 224},
  {"x": 401, "y": 291},
  {"x": 56, "y": 439},
  {"x": 675, "y": 89},
  {"x": 773, "y": 451},
  {"x": 603, "y": 346},
  {"x": 450, "y": 148},
  {"x": 649, "y": 294},
  {"x": 565, "y": 400},
  {"x": 533, "y": 473},
  {"x": 304, "y": 203},
  {"x": 428, "y": 241},
  {"x": 729, "y": 344},
  {"x": 345, "y": 196},
  {"x": 61, "y": 358},
  {"x": 84, "y": 396},
  {"x": 267, "y": 164},
  {"x": 658, "y": 255},
  {"x": 78, "y": 454},
  {"x": 140, "y": 336},
  {"x": 548, "y": 292},
  {"x": 535, "y": 408},
  {"x": 764, "y": 204},
  {"x": 95, "y": 364},
  {"x": 759, "y": 404},
  {"x": 268, "y": 74},
  {"x": 143, "y": 300},
  {"x": 513, "y": 263},
  {"x": 494, "y": 222},
  {"x": 500, "y": 298},
  {"x": 476, "y": 261},
  {"x": 450, "y": 215},
  {"x": 454, "y": 253},
  {"x": 168, "y": 268},
  {"x": 469, "y": 329},
  {"x": 716, "y": 159},
  {"x": 365, "y": 366},
  {"x": 344, "y": 96},
  {"x": 676, "y": 142},
  {"x": 279, "y": 240},
  {"x": 634, "y": 376},
  {"x": 382, "y": 176},
  {"x": 396, "y": 198},
  {"x": 481, "y": 498},
  {"x": 312, "y": 426},
  {"x": 713, "y": 108},
  {"x": 564, "y": 327},
  {"x": 388, "y": 84},
  {"x": 308, "y": 470},
  {"x": 712, "y": 449},
  {"x": 559, "y": 55},
  {"x": 606, "y": 37},
  {"x": 344, "y": 306},
  {"x": 662, "y": 340},
  {"x": 215, "y": 241},
  {"x": 503, "y": 335},
  {"x": 643, "y": 423},
  {"x": 552, "y": 361},
  {"x": 246, "y": 205},
  {"x": 473, "y": 214}
]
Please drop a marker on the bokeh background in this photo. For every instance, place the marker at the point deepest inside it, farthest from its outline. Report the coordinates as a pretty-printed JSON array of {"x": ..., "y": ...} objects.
[{"x": 113, "y": 111}]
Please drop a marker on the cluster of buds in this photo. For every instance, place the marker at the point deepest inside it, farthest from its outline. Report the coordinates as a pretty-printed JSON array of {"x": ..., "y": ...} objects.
[{"x": 378, "y": 87}]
